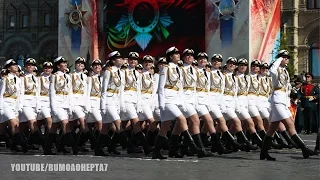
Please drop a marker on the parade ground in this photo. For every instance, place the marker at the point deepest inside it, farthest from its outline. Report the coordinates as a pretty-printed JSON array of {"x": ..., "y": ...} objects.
[{"x": 236, "y": 166}]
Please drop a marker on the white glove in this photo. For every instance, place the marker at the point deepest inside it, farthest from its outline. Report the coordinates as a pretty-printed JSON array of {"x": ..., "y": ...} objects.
[
  {"x": 70, "y": 111},
  {"x": 311, "y": 99},
  {"x": 88, "y": 109},
  {"x": 139, "y": 109},
  {"x": 54, "y": 111},
  {"x": 123, "y": 109},
  {"x": 162, "y": 108},
  {"x": 103, "y": 111},
  {"x": 1, "y": 112}
]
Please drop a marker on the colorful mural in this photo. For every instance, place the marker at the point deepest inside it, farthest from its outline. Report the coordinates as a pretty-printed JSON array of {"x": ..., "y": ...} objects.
[{"x": 151, "y": 26}]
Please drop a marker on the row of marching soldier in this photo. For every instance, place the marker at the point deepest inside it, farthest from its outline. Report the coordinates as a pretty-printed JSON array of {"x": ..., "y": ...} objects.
[{"x": 191, "y": 107}]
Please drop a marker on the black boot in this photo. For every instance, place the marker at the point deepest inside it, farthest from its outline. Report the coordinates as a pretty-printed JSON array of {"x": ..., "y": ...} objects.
[
  {"x": 290, "y": 142},
  {"x": 192, "y": 145},
  {"x": 5, "y": 138},
  {"x": 280, "y": 141},
  {"x": 60, "y": 144},
  {"x": 217, "y": 145},
  {"x": 257, "y": 139},
  {"x": 20, "y": 140},
  {"x": 173, "y": 150},
  {"x": 198, "y": 142},
  {"x": 146, "y": 148},
  {"x": 230, "y": 140},
  {"x": 103, "y": 140},
  {"x": 92, "y": 139},
  {"x": 131, "y": 147},
  {"x": 69, "y": 140},
  {"x": 264, "y": 151},
  {"x": 275, "y": 145},
  {"x": 305, "y": 150},
  {"x": 51, "y": 138},
  {"x": 243, "y": 140},
  {"x": 123, "y": 139},
  {"x": 204, "y": 138},
  {"x": 37, "y": 138},
  {"x": 157, "y": 148},
  {"x": 316, "y": 149},
  {"x": 185, "y": 149},
  {"x": 82, "y": 139},
  {"x": 113, "y": 145},
  {"x": 150, "y": 138}
]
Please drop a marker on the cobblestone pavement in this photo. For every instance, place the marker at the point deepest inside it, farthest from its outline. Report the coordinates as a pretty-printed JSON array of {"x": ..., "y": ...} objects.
[{"x": 237, "y": 166}]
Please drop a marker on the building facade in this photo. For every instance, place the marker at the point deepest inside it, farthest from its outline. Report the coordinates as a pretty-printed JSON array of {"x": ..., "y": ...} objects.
[
  {"x": 301, "y": 21},
  {"x": 28, "y": 28}
]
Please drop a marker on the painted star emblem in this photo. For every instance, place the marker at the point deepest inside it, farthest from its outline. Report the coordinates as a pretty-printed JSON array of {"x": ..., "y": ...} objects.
[{"x": 75, "y": 17}]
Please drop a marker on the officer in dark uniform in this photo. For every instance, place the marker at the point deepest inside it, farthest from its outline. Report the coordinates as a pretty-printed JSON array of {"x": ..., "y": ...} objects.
[{"x": 309, "y": 96}]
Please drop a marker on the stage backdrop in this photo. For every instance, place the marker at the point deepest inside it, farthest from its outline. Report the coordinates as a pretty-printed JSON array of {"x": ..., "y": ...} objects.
[{"x": 152, "y": 26}]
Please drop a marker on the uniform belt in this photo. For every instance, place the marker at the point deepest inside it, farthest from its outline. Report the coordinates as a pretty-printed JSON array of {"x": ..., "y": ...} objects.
[
  {"x": 95, "y": 95},
  {"x": 229, "y": 93},
  {"x": 44, "y": 94},
  {"x": 308, "y": 97},
  {"x": 62, "y": 93},
  {"x": 215, "y": 90},
  {"x": 280, "y": 89},
  {"x": 130, "y": 89},
  {"x": 78, "y": 92},
  {"x": 10, "y": 96},
  {"x": 201, "y": 90},
  {"x": 265, "y": 95},
  {"x": 171, "y": 87},
  {"x": 148, "y": 91},
  {"x": 242, "y": 94},
  {"x": 113, "y": 91},
  {"x": 252, "y": 93},
  {"x": 188, "y": 88},
  {"x": 29, "y": 93}
]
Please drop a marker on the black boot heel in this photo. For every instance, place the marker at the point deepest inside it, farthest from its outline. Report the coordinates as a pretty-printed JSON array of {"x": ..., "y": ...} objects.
[
  {"x": 156, "y": 154},
  {"x": 264, "y": 154}
]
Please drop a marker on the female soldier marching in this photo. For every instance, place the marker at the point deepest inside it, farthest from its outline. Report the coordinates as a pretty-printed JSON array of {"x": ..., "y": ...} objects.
[
  {"x": 94, "y": 94},
  {"x": 80, "y": 107},
  {"x": 10, "y": 104},
  {"x": 132, "y": 98},
  {"x": 147, "y": 87},
  {"x": 111, "y": 103},
  {"x": 60, "y": 95},
  {"x": 171, "y": 106},
  {"x": 44, "y": 83},
  {"x": 280, "y": 112},
  {"x": 217, "y": 85},
  {"x": 31, "y": 102}
]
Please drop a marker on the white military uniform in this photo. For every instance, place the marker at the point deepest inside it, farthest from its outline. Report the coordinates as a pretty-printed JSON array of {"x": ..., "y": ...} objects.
[
  {"x": 264, "y": 94},
  {"x": 147, "y": 93},
  {"x": 60, "y": 96},
  {"x": 242, "y": 98},
  {"x": 229, "y": 96},
  {"x": 189, "y": 90},
  {"x": 94, "y": 94},
  {"x": 43, "y": 88},
  {"x": 253, "y": 94},
  {"x": 112, "y": 100},
  {"x": 30, "y": 99},
  {"x": 156, "y": 112},
  {"x": 203, "y": 89},
  {"x": 279, "y": 98},
  {"x": 216, "y": 92},
  {"x": 170, "y": 92},
  {"x": 132, "y": 94},
  {"x": 10, "y": 97},
  {"x": 80, "y": 95}
]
